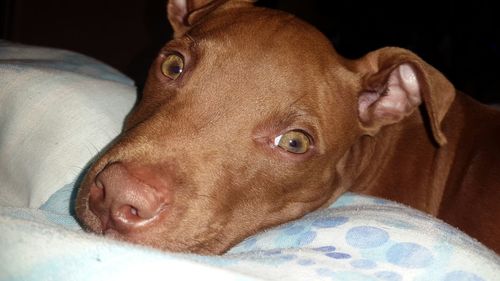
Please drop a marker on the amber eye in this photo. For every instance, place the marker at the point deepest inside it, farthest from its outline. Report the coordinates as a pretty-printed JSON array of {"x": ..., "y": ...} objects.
[
  {"x": 172, "y": 66},
  {"x": 293, "y": 141}
]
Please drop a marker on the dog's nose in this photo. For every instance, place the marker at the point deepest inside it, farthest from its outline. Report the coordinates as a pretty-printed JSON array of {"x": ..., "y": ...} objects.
[{"x": 126, "y": 198}]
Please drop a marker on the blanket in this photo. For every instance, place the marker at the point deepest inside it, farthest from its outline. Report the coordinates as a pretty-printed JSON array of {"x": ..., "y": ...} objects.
[{"x": 58, "y": 109}]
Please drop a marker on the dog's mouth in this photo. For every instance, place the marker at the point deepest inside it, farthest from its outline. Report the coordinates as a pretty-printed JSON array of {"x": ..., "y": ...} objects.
[{"x": 171, "y": 231}]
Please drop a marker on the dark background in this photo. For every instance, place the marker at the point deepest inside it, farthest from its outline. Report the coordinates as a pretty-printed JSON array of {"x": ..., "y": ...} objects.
[{"x": 460, "y": 38}]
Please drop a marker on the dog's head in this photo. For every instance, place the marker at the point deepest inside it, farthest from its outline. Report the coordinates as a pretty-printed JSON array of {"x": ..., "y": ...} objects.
[{"x": 247, "y": 120}]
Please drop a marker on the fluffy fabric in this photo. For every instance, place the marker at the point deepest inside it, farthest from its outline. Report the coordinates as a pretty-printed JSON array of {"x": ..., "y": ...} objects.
[{"x": 57, "y": 109}]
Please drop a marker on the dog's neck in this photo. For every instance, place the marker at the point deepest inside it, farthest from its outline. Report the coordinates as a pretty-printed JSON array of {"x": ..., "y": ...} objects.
[{"x": 370, "y": 166}]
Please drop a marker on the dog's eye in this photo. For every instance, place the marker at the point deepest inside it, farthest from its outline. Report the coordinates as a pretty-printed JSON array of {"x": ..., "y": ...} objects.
[
  {"x": 172, "y": 66},
  {"x": 293, "y": 141}
]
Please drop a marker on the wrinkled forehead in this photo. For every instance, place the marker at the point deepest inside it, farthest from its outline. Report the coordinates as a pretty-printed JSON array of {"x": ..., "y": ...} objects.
[
  {"x": 265, "y": 37},
  {"x": 269, "y": 54}
]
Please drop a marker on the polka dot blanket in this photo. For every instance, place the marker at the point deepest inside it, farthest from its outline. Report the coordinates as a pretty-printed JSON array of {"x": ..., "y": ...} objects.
[{"x": 357, "y": 238}]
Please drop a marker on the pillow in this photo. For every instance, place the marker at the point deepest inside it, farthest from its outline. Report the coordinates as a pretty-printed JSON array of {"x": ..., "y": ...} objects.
[{"x": 57, "y": 110}]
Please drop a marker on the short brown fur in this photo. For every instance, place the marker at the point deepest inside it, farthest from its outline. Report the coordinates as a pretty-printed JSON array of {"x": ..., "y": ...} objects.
[{"x": 203, "y": 144}]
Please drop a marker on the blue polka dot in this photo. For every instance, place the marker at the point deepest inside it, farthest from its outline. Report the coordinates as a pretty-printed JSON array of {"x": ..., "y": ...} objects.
[
  {"x": 306, "y": 262},
  {"x": 306, "y": 238},
  {"x": 330, "y": 222},
  {"x": 409, "y": 255},
  {"x": 462, "y": 276},
  {"x": 388, "y": 276},
  {"x": 296, "y": 229},
  {"x": 338, "y": 256},
  {"x": 325, "y": 249},
  {"x": 364, "y": 264},
  {"x": 366, "y": 237}
]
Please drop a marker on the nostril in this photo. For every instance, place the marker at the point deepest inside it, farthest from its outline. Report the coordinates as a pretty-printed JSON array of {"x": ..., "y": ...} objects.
[
  {"x": 97, "y": 188},
  {"x": 99, "y": 184},
  {"x": 97, "y": 204},
  {"x": 96, "y": 192},
  {"x": 126, "y": 217}
]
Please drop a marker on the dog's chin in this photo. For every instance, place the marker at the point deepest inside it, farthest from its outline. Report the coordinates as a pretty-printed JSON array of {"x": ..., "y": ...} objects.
[{"x": 214, "y": 246}]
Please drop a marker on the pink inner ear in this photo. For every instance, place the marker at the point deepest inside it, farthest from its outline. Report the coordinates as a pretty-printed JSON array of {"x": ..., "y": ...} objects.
[
  {"x": 365, "y": 100},
  {"x": 177, "y": 11},
  {"x": 400, "y": 97},
  {"x": 410, "y": 83},
  {"x": 180, "y": 5}
]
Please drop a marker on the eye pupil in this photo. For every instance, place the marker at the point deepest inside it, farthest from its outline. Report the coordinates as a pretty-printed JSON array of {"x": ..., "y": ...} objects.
[
  {"x": 175, "y": 69},
  {"x": 293, "y": 143}
]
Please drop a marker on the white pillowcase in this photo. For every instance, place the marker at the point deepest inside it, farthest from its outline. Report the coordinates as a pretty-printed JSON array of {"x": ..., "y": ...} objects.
[{"x": 57, "y": 110}]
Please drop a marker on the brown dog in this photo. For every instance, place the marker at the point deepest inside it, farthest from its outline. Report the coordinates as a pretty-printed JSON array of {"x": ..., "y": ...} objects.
[{"x": 250, "y": 119}]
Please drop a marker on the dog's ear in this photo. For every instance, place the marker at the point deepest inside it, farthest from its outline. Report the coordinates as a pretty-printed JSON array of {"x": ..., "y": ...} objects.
[
  {"x": 395, "y": 83},
  {"x": 183, "y": 14}
]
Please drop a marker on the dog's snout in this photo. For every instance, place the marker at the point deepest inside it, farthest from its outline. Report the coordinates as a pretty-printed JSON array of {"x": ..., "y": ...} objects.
[{"x": 126, "y": 198}]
